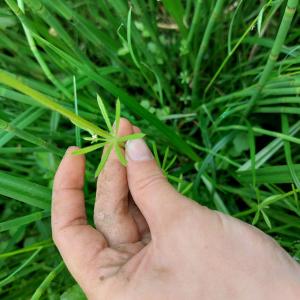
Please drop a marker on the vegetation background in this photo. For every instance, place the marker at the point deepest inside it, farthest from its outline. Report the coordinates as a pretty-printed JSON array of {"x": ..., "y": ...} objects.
[{"x": 216, "y": 81}]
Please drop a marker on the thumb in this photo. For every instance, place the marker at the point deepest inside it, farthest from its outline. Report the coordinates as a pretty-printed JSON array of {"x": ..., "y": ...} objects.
[{"x": 152, "y": 193}]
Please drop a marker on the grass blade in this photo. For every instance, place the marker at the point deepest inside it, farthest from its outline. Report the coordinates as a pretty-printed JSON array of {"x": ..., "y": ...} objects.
[
  {"x": 287, "y": 151},
  {"x": 46, "y": 282},
  {"x": 22, "y": 190},
  {"x": 77, "y": 129},
  {"x": 275, "y": 174},
  {"x": 20, "y": 221}
]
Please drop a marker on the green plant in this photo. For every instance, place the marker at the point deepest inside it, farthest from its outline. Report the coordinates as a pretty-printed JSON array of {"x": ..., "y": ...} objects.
[
  {"x": 182, "y": 185},
  {"x": 112, "y": 141},
  {"x": 213, "y": 84},
  {"x": 108, "y": 138}
]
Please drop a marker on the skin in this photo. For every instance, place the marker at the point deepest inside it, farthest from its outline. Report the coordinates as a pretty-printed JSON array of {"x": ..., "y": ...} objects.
[{"x": 150, "y": 242}]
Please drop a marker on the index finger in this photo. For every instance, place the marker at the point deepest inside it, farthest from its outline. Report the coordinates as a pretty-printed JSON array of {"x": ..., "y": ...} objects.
[{"x": 78, "y": 242}]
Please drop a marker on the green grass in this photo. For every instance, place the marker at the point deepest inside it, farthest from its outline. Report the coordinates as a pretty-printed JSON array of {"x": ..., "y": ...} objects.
[{"x": 214, "y": 85}]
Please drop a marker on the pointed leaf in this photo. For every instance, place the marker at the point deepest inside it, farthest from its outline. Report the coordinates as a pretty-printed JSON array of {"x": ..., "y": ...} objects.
[
  {"x": 88, "y": 149},
  {"x": 165, "y": 158},
  {"x": 104, "y": 158},
  {"x": 187, "y": 188},
  {"x": 133, "y": 136},
  {"x": 77, "y": 129},
  {"x": 175, "y": 179},
  {"x": 156, "y": 154},
  {"x": 259, "y": 21},
  {"x": 118, "y": 115},
  {"x": 171, "y": 163},
  {"x": 120, "y": 155},
  {"x": 129, "y": 44},
  {"x": 266, "y": 218},
  {"x": 104, "y": 113},
  {"x": 256, "y": 217}
]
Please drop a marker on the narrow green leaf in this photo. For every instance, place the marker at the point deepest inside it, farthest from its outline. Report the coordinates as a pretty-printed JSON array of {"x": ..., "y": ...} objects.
[
  {"x": 287, "y": 150},
  {"x": 165, "y": 158},
  {"x": 25, "y": 191},
  {"x": 218, "y": 201},
  {"x": 256, "y": 217},
  {"x": 88, "y": 149},
  {"x": 17, "y": 222},
  {"x": 77, "y": 129},
  {"x": 258, "y": 130},
  {"x": 118, "y": 115},
  {"x": 170, "y": 164},
  {"x": 7, "y": 279},
  {"x": 104, "y": 158},
  {"x": 269, "y": 150},
  {"x": 259, "y": 21},
  {"x": 274, "y": 174},
  {"x": 120, "y": 155},
  {"x": 156, "y": 154},
  {"x": 46, "y": 282},
  {"x": 29, "y": 137},
  {"x": 129, "y": 40},
  {"x": 42, "y": 244},
  {"x": 129, "y": 137},
  {"x": 22, "y": 121},
  {"x": 266, "y": 218},
  {"x": 104, "y": 113},
  {"x": 187, "y": 188}
]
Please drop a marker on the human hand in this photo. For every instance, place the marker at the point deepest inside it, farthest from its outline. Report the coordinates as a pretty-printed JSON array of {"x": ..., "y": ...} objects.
[{"x": 150, "y": 242}]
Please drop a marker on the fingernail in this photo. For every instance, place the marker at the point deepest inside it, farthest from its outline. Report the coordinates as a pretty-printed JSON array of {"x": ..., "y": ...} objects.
[{"x": 138, "y": 150}]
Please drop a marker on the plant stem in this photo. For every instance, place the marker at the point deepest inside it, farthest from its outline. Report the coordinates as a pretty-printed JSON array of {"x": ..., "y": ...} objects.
[
  {"x": 278, "y": 43},
  {"x": 46, "y": 282},
  {"x": 203, "y": 46},
  {"x": 9, "y": 80},
  {"x": 195, "y": 21}
]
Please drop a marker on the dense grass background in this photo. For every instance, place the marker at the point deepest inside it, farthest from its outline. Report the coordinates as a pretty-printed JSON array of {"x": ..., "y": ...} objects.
[{"x": 216, "y": 81}]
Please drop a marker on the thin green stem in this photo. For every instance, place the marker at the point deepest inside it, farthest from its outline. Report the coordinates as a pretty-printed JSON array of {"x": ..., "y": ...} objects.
[
  {"x": 77, "y": 129},
  {"x": 276, "y": 49},
  {"x": 195, "y": 22},
  {"x": 47, "y": 281},
  {"x": 203, "y": 47},
  {"x": 11, "y": 276},
  {"x": 42, "y": 99}
]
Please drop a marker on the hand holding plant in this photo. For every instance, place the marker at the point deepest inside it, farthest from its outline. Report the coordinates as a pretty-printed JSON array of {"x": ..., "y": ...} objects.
[
  {"x": 150, "y": 242},
  {"x": 110, "y": 140}
]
